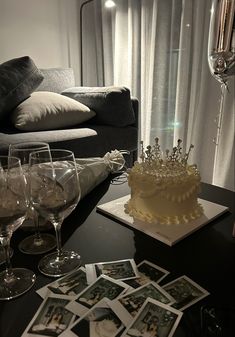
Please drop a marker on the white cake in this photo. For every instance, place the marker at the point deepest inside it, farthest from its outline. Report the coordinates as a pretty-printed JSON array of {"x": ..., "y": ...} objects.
[{"x": 164, "y": 189}]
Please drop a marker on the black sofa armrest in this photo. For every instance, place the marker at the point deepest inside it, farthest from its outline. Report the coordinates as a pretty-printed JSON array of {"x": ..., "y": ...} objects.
[
  {"x": 112, "y": 105},
  {"x": 135, "y": 106}
]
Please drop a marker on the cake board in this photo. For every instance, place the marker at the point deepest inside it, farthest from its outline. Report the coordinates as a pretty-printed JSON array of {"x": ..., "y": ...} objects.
[{"x": 168, "y": 234}]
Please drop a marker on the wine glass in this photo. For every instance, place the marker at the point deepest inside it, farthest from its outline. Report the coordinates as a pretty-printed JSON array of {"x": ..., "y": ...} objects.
[
  {"x": 221, "y": 53},
  {"x": 38, "y": 243},
  {"x": 221, "y": 40},
  {"x": 55, "y": 192},
  {"x": 13, "y": 209}
]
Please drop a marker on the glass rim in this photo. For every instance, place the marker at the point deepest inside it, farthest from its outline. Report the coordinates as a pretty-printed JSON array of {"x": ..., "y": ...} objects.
[
  {"x": 17, "y": 146},
  {"x": 16, "y": 161},
  {"x": 67, "y": 153}
]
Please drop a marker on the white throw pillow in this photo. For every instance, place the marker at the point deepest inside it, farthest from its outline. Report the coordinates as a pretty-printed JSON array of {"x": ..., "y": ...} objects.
[{"x": 45, "y": 110}]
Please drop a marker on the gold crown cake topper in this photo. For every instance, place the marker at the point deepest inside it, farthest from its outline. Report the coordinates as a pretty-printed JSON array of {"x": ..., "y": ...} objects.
[
  {"x": 154, "y": 155},
  {"x": 166, "y": 164}
]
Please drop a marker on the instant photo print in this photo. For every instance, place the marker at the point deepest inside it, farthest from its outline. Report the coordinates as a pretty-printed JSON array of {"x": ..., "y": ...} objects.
[
  {"x": 119, "y": 270},
  {"x": 147, "y": 272},
  {"x": 51, "y": 319},
  {"x": 71, "y": 284},
  {"x": 104, "y": 286},
  {"x": 185, "y": 291},
  {"x": 154, "y": 319},
  {"x": 129, "y": 304},
  {"x": 99, "y": 321}
]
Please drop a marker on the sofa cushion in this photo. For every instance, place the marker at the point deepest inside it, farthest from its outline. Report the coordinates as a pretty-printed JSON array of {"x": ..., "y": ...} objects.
[
  {"x": 112, "y": 104},
  {"x": 47, "y": 111},
  {"x": 57, "y": 79},
  {"x": 84, "y": 140},
  {"x": 19, "y": 77}
]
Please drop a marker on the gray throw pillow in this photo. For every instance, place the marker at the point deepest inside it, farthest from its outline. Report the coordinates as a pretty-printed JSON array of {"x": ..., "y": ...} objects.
[
  {"x": 112, "y": 105},
  {"x": 19, "y": 77},
  {"x": 47, "y": 111},
  {"x": 57, "y": 79}
]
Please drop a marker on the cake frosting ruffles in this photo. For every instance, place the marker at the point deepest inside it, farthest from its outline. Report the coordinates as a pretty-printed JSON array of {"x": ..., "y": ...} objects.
[{"x": 164, "y": 187}]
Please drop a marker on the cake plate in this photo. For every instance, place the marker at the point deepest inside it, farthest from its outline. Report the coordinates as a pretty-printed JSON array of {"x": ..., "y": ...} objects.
[{"x": 169, "y": 234}]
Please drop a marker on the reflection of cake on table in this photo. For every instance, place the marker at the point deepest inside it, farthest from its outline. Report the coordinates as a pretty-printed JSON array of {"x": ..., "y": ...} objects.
[{"x": 164, "y": 188}]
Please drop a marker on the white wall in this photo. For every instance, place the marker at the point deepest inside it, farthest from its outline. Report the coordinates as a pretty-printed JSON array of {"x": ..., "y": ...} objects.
[{"x": 46, "y": 30}]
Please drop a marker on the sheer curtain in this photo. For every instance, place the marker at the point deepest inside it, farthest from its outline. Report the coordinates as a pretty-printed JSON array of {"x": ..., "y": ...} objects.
[{"x": 158, "y": 48}]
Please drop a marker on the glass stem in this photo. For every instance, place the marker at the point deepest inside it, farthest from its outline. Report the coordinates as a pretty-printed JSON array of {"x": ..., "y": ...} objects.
[
  {"x": 5, "y": 241},
  {"x": 219, "y": 126},
  {"x": 37, "y": 239},
  {"x": 57, "y": 226}
]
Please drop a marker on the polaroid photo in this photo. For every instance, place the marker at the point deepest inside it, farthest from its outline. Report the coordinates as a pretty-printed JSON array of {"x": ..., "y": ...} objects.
[
  {"x": 185, "y": 292},
  {"x": 104, "y": 286},
  {"x": 119, "y": 270},
  {"x": 154, "y": 319},
  {"x": 128, "y": 305},
  {"x": 99, "y": 321},
  {"x": 71, "y": 284},
  {"x": 147, "y": 272},
  {"x": 51, "y": 319}
]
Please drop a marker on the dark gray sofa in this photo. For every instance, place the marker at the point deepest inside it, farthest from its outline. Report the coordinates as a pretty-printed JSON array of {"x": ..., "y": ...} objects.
[{"x": 91, "y": 138}]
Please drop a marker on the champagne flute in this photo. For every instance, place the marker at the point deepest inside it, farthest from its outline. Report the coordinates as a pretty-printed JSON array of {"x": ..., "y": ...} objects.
[
  {"x": 13, "y": 209},
  {"x": 38, "y": 243},
  {"x": 55, "y": 192}
]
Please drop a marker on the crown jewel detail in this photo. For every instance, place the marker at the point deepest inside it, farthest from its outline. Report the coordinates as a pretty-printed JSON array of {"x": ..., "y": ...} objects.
[
  {"x": 168, "y": 163},
  {"x": 154, "y": 154}
]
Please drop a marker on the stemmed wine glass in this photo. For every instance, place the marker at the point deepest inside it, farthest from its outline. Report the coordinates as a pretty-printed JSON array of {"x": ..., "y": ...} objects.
[
  {"x": 221, "y": 40},
  {"x": 55, "y": 192},
  {"x": 221, "y": 52},
  {"x": 39, "y": 242},
  {"x": 13, "y": 209}
]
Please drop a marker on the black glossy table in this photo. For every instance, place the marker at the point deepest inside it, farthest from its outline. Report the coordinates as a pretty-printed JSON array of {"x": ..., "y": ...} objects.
[{"x": 206, "y": 256}]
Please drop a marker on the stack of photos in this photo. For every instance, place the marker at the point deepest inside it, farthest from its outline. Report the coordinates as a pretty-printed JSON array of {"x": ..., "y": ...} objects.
[{"x": 113, "y": 299}]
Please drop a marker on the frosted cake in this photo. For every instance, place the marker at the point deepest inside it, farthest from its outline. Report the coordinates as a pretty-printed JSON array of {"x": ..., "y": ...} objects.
[{"x": 164, "y": 187}]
